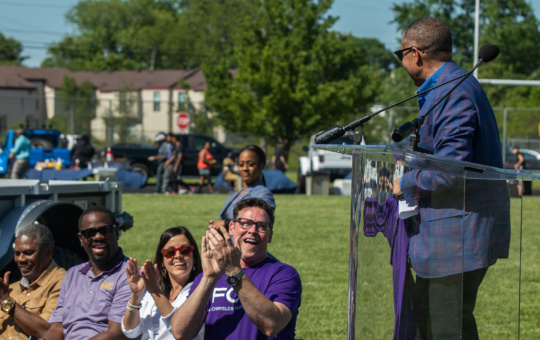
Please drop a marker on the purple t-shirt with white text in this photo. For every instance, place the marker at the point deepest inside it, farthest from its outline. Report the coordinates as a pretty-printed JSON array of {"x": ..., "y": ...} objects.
[
  {"x": 226, "y": 319},
  {"x": 87, "y": 302}
]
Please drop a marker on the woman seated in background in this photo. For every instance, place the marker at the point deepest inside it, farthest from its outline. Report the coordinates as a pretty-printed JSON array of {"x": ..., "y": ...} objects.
[
  {"x": 160, "y": 288},
  {"x": 251, "y": 163}
]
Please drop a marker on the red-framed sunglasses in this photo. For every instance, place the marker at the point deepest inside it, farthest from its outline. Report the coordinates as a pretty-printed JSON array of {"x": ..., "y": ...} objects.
[{"x": 184, "y": 250}]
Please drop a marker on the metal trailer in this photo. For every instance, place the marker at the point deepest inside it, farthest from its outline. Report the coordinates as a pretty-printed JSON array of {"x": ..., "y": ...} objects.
[{"x": 57, "y": 205}]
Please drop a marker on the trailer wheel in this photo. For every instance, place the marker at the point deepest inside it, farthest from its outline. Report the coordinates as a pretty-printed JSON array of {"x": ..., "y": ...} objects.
[
  {"x": 65, "y": 258},
  {"x": 141, "y": 169}
]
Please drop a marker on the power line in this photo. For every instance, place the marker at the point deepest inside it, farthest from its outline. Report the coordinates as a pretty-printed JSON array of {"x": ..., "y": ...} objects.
[
  {"x": 34, "y": 5},
  {"x": 21, "y": 23},
  {"x": 31, "y": 31}
]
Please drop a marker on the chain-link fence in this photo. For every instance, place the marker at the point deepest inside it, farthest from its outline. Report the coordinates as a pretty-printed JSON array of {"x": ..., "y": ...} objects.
[{"x": 138, "y": 116}]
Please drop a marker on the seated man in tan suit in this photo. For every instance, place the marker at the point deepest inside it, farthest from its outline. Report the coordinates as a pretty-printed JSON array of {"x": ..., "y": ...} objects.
[{"x": 26, "y": 305}]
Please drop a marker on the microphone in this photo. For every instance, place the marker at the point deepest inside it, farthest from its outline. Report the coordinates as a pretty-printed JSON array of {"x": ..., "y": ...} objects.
[
  {"x": 406, "y": 129},
  {"x": 486, "y": 54},
  {"x": 329, "y": 135}
]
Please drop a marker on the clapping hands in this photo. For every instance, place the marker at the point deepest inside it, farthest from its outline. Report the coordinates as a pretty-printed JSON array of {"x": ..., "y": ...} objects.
[{"x": 147, "y": 278}]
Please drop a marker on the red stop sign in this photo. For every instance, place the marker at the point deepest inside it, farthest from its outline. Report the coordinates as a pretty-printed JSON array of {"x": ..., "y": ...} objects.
[{"x": 182, "y": 120}]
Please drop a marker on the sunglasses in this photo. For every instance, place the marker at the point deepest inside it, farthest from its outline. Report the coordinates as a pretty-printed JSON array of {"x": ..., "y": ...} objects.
[
  {"x": 246, "y": 224},
  {"x": 106, "y": 231},
  {"x": 184, "y": 250},
  {"x": 401, "y": 53}
]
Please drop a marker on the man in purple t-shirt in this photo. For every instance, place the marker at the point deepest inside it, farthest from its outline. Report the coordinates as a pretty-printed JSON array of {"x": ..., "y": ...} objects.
[
  {"x": 242, "y": 293},
  {"x": 94, "y": 295}
]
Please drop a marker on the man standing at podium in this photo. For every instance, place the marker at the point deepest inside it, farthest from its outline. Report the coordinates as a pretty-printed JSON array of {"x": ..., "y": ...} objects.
[{"x": 458, "y": 233}]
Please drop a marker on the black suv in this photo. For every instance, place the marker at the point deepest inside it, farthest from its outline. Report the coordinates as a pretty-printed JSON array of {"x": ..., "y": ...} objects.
[
  {"x": 192, "y": 144},
  {"x": 137, "y": 154}
]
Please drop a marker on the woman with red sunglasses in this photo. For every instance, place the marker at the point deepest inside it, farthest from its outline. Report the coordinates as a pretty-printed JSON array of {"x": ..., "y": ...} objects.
[{"x": 158, "y": 289}]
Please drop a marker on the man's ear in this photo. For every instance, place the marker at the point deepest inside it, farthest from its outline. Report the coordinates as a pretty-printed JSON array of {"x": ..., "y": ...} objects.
[
  {"x": 418, "y": 58},
  {"x": 80, "y": 239},
  {"x": 231, "y": 228},
  {"x": 49, "y": 250}
]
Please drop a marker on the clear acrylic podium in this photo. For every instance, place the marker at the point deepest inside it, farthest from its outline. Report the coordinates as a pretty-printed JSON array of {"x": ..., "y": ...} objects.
[{"x": 471, "y": 217}]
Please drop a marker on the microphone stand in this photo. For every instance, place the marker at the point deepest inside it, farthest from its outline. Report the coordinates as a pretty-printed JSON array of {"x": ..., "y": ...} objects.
[
  {"x": 336, "y": 131},
  {"x": 487, "y": 54}
]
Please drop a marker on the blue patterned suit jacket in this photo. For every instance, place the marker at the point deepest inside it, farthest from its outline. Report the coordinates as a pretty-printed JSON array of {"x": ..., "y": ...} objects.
[{"x": 463, "y": 225}]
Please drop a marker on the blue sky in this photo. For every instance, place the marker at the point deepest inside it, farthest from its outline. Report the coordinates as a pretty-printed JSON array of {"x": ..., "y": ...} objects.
[{"x": 37, "y": 23}]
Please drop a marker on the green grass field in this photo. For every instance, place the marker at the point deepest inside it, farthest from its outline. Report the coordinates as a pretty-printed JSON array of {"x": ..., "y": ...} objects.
[{"x": 312, "y": 234}]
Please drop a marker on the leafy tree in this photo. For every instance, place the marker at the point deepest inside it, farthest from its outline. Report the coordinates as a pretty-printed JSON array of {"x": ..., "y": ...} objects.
[
  {"x": 146, "y": 34},
  {"x": 10, "y": 51},
  {"x": 397, "y": 86},
  {"x": 115, "y": 35},
  {"x": 76, "y": 105},
  {"x": 377, "y": 54},
  {"x": 294, "y": 76},
  {"x": 212, "y": 26}
]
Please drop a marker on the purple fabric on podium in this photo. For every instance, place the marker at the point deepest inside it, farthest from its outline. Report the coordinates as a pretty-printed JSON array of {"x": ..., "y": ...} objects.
[{"x": 384, "y": 218}]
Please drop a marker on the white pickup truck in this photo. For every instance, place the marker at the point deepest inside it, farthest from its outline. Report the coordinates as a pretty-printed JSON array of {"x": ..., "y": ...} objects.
[{"x": 317, "y": 161}]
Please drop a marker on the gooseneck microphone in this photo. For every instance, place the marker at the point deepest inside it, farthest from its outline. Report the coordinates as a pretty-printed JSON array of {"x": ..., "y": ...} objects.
[{"x": 486, "y": 54}]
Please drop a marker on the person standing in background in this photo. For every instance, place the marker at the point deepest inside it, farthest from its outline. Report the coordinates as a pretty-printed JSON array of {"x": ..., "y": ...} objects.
[
  {"x": 161, "y": 157},
  {"x": 279, "y": 161},
  {"x": 168, "y": 180},
  {"x": 83, "y": 151},
  {"x": 21, "y": 153},
  {"x": 204, "y": 165},
  {"x": 524, "y": 188}
]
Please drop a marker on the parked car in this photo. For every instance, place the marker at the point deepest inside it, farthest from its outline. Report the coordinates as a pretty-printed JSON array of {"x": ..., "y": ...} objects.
[
  {"x": 318, "y": 161},
  {"x": 137, "y": 154},
  {"x": 192, "y": 144}
]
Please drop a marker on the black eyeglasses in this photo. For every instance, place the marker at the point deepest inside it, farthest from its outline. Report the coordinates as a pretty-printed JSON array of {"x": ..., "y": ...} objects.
[
  {"x": 246, "y": 224},
  {"x": 401, "y": 53},
  {"x": 90, "y": 233},
  {"x": 184, "y": 250}
]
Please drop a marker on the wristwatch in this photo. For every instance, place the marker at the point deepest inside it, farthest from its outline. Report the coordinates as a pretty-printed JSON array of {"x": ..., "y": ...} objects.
[
  {"x": 7, "y": 305},
  {"x": 235, "y": 278}
]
